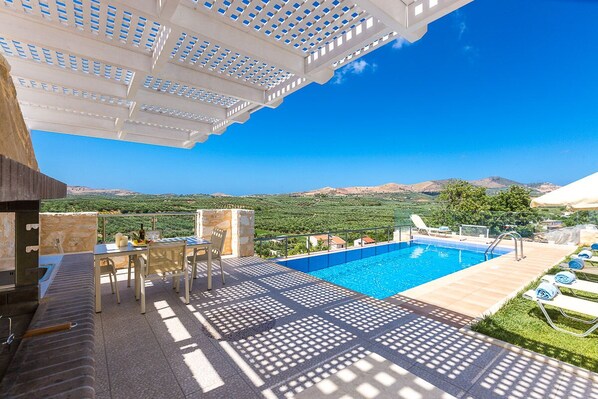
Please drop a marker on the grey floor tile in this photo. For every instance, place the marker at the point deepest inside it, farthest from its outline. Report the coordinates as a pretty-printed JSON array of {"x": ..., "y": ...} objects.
[{"x": 232, "y": 387}]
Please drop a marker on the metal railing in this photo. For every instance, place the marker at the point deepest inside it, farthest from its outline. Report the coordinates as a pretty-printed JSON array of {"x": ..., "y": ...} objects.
[
  {"x": 279, "y": 246},
  {"x": 151, "y": 221},
  {"x": 517, "y": 240}
]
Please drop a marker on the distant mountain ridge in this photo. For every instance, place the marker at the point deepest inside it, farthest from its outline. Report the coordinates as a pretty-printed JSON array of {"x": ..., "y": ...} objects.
[
  {"x": 432, "y": 187},
  {"x": 81, "y": 190}
]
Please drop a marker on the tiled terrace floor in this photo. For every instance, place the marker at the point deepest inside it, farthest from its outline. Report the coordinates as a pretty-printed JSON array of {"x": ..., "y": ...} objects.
[{"x": 273, "y": 332}]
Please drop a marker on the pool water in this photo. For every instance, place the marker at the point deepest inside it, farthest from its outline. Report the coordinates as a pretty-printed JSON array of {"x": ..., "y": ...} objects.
[{"x": 387, "y": 274}]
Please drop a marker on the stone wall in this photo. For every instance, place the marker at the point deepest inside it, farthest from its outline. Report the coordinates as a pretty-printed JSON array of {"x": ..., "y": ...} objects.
[
  {"x": 76, "y": 232},
  {"x": 7, "y": 237},
  {"x": 208, "y": 219},
  {"x": 15, "y": 141}
]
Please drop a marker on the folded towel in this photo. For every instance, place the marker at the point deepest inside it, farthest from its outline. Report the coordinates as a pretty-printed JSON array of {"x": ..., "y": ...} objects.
[
  {"x": 546, "y": 291},
  {"x": 585, "y": 254},
  {"x": 595, "y": 246},
  {"x": 565, "y": 277},
  {"x": 576, "y": 264}
]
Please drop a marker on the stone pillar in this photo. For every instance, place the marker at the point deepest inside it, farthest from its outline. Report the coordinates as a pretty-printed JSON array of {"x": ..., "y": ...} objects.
[{"x": 243, "y": 229}]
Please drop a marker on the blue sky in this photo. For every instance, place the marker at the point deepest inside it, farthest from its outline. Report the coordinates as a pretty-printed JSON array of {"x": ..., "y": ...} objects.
[{"x": 505, "y": 88}]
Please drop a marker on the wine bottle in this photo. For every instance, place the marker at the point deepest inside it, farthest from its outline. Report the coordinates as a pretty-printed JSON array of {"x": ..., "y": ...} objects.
[{"x": 141, "y": 233}]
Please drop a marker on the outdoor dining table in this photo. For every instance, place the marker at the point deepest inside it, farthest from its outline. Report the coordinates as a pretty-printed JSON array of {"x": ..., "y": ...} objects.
[{"x": 112, "y": 250}]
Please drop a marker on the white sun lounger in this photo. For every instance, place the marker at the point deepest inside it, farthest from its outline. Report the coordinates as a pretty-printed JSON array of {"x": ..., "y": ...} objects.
[
  {"x": 588, "y": 272},
  {"x": 593, "y": 259},
  {"x": 421, "y": 226},
  {"x": 570, "y": 304},
  {"x": 577, "y": 285}
]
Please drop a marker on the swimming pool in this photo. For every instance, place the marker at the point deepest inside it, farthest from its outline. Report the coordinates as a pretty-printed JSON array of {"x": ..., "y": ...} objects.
[{"x": 397, "y": 268}]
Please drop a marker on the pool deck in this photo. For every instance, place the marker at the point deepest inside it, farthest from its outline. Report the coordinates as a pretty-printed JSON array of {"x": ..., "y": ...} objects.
[
  {"x": 485, "y": 287},
  {"x": 273, "y": 332}
]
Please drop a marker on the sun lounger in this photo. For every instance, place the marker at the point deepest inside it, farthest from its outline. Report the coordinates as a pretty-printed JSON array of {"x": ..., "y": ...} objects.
[
  {"x": 577, "y": 285},
  {"x": 587, "y": 272},
  {"x": 421, "y": 226},
  {"x": 565, "y": 304}
]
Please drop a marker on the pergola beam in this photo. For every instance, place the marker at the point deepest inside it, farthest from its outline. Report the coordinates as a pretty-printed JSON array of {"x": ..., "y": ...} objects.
[
  {"x": 359, "y": 37},
  {"x": 58, "y": 39},
  {"x": 173, "y": 101},
  {"x": 199, "y": 23},
  {"x": 421, "y": 13},
  {"x": 67, "y": 78},
  {"x": 58, "y": 116},
  {"x": 56, "y": 127},
  {"x": 393, "y": 14},
  {"x": 167, "y": 120},
  {"x": 47, "y": 98}
]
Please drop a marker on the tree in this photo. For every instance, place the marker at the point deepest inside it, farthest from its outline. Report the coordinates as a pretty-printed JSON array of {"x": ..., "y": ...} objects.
[
  {"x": 461, "y": 203},
  {"x": 511, "y": 210}
]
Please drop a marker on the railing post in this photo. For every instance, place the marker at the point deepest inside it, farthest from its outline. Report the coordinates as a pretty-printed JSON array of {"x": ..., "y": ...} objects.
[
  {"x": 328, "y": 241},
  {"x": 286, "y": 247},
  {"x": 154, "y": 223},
  {"x": 308, "y": 244},
  {"x": 104, "y": 230}
]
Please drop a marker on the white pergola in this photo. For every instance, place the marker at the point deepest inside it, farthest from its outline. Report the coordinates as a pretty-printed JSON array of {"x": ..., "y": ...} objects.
[{"x": 172, "y": 72}]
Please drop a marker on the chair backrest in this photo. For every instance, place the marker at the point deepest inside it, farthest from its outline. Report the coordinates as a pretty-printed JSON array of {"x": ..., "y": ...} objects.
[
  {"x": 153, "y": 235},
  {"x": 164, "y": 257},
  {"x": 217, "y": 240},
  {"x": 418, "y": 222}
]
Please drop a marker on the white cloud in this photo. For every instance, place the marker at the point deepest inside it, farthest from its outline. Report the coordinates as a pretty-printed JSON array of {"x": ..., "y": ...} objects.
[
  {"x": 353, "y": 68},
  {"x": 400, "y": 43},
  {"x": 460, "y": 23}
]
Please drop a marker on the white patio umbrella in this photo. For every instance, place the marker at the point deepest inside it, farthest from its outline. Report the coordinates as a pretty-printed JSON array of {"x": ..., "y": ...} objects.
[{"x": 579, "y": 195}]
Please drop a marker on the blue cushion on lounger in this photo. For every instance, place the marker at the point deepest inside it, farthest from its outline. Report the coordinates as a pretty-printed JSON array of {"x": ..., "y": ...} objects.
[
  {"x": 576, "y": 264},
  {"x": 595, "y": 246},
  {"x": 546, "y": 291},
  {"x": 585, "y": 254},
  {"x": 565, "y": 277}
]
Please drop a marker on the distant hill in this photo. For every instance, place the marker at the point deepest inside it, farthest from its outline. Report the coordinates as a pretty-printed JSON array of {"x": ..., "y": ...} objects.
[
  {"x": 417, "y": 191},
  {"x": 432, "y": 187},
  {"x": 82, "y": 191}
]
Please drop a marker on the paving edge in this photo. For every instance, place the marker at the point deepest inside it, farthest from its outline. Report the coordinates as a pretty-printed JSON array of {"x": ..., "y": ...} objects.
[{"x": 578, "y": 371}]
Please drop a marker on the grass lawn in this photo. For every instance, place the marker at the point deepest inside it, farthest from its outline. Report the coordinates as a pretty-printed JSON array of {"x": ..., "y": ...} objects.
[{"x": 522, "y": 323}]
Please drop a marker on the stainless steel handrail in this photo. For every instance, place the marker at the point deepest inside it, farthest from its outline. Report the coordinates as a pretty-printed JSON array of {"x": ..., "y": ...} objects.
[{"x": 517, "y": 241}]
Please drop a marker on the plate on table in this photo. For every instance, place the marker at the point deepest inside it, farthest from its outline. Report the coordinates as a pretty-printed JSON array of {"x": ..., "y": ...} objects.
[{"x": 137, "y": 243}]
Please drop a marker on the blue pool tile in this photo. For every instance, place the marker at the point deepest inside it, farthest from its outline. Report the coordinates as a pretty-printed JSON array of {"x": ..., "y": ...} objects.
[
  {"x": 381, "y": 249},
  {"x": 337, "y": 258},
  {"x": 367, "y": 252},
  {"x": 318, "y": 262},
  {"x": 354, "y": 254},
  {"x": 301, "y": 265}
]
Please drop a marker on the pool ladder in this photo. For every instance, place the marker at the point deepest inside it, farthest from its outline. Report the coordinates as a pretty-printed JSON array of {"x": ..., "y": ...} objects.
[{"x": 517, "y": 240}]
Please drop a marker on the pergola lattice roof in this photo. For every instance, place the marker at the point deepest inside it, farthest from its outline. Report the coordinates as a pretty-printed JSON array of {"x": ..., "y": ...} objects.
[{"x": 172, "y": 72}]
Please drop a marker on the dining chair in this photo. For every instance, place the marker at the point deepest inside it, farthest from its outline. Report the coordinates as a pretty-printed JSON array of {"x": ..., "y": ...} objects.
[
  {"x": 108, "y": 267},
  {"x": 161, "y": 259},
  {"x": 217, "y": 240},
  {"x": 150, "y": 235}
]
